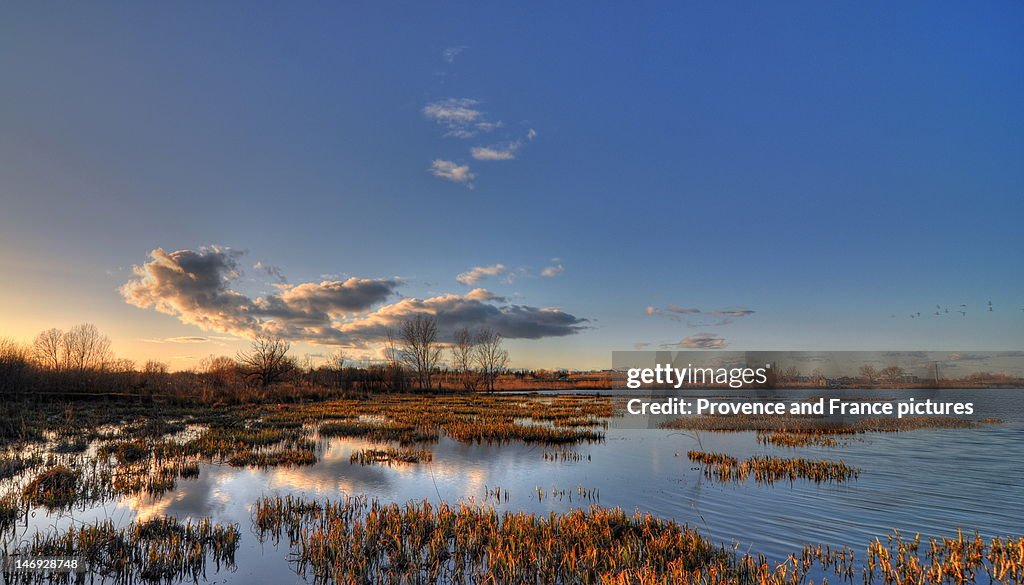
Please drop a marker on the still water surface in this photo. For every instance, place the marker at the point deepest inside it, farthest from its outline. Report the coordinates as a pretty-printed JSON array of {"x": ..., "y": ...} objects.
[{"x": 926, "y": 481}]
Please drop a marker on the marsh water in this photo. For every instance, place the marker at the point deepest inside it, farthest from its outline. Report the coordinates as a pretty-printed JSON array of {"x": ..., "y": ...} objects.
[{"x": 922, "y": 481}]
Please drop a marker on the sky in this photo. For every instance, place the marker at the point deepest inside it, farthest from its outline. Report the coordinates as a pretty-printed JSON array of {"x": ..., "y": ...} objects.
[{"x": 581, "y": 177}]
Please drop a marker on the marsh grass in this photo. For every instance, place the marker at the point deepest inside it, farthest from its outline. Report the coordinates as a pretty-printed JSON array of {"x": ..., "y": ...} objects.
[
  {"x": 126, "y": 451},
  {"x": 947, "y": 560},
  {"x": 815, "y": 425},
  {"x": 162, "y": 550},
  {"x": 768, "y": 470},
  {"x": 564, "y": 455},
  {"x": 9, "y": 512},
  {"x": 12, "y": 465},
  {"x": 55, "y": 487},
  {"x": 263, "y": 459},
  {"x": 390, "y": 456},
  {"x": 799, "y": 438},
  {"x": 356, "y": 540}
]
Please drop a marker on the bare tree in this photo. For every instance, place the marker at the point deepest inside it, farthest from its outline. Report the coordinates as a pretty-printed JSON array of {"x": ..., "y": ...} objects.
[
  {"x": 491, "y": 359},
  {"x": 267, "y": 360},
  {"x": 336, "y": 360},
  {"x": 48, "y": 349},
  {"x": 868, "y": 374},
  {"x": 85, "y": 348},
  {"x": 892, "y": 374},
  {"x": 393, "y": 374},
  {"x": 463, "y": 357},
  {"x": 220, "y": 370},
  {"x": 334, "y": 366},
  {"x": 391, "y": 352},
  {"x": 420, "y": 349}
]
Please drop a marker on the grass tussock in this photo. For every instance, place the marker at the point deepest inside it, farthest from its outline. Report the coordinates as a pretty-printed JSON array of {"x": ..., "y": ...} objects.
[
  {"x": 54, "y": 488},
  {"x": 390, "y": 456},
  {"x": 768, "y": 470},
  {"x": 286, "y": 458},
  {"x": 797, "y": 438}
]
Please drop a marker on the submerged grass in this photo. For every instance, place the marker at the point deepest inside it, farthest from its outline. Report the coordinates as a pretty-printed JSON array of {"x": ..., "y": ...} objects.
[{"x": 12, "y": 465}]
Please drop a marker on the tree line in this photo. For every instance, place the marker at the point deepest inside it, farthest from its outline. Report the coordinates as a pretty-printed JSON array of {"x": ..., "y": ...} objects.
[{"x": 80, "y": 360}]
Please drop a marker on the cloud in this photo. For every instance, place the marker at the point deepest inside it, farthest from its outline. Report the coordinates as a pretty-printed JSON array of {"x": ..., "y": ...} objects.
[
  {"x": 271, "y": 271},
  {"x": 195, "y": 287},
  {"x": 482, "y": 294},
  {"x": 450, "y": 171},
  {"x": 450, "y": 53},
  {"x": 478, "y": 273},
  {"x": 454, "y": 312},
  {"x": 553, "y": 270},
  {"x": 730, "y": 313},
  {"x": 704, "y": 341},
  {"x": 695, "y": 317},
  {"x": 506, "y": 152},
  {"x": 460, "y": 116},
  {"x": 182, "y": 339},
  {"x": 969, "y": 357}
]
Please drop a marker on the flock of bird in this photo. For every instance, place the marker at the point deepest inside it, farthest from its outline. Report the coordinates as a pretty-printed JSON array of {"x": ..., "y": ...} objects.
[{"x": 941, "y": 311}]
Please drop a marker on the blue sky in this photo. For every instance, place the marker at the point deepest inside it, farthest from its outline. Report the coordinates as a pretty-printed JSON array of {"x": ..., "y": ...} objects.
[{"x": 825, "y": 166}]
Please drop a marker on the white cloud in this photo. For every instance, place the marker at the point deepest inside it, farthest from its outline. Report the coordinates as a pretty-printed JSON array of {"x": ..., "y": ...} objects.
[
  {"x": 450, "y": 53},
  {"x": 553, "y": 270},
  {"x": 507, "y": 152},
  {"x": 453, "y": 172},
  {"x": 460, "y": 116},
  {"x": 704, "y": 341},
  {"x": 478, "y": 273}
]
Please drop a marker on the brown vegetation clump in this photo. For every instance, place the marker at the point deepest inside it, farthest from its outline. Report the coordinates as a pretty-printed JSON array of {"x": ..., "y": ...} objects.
[
  {"x": 54, "y": 488},
  {"x": 389, "y": 456},
  {"x": 809, "y": 424},
  {"x": 771, "y": 469}
]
